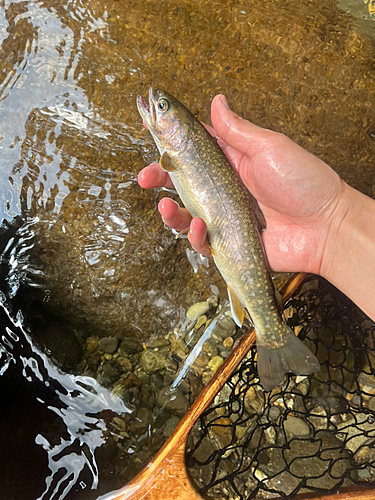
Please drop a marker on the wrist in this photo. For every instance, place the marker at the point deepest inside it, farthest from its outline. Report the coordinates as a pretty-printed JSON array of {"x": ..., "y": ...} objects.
[
  {"x": 340, "y": 231},
  {"x": 350, "y": 248}
]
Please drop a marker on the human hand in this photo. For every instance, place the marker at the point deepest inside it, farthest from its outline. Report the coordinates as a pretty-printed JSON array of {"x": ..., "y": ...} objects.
[{"x": 299, "y": 195}]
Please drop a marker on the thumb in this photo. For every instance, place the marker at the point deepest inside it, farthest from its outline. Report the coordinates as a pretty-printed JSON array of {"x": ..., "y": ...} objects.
[{"x": 235, "y": 131}]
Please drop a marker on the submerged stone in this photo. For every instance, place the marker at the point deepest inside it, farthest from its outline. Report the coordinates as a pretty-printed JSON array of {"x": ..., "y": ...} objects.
[
  {"x": 153, "y": 362},
  {"x": 108, "y": 344},
  {"x": 197, "y": 310},
  {"x": 215, "y": 363},
  {"x": 296, "y": 427}
]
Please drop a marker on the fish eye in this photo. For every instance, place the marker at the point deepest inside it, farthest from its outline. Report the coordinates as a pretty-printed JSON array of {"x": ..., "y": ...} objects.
[{"x": 163, "y": 105}]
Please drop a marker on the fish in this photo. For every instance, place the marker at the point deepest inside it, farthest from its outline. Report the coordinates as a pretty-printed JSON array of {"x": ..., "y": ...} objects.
[{"x": 211, "y": 189}]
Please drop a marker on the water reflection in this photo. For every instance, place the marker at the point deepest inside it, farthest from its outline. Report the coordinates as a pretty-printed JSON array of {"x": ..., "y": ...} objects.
[{"x": 70, "y": 440}]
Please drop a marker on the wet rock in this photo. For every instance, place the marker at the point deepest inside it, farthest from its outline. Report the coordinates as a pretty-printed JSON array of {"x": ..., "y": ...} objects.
[
  {"x": 158, "y": 343},
  {"x": 201, "y": 321},
  {"x": 93, "y": 362},
  {"x": 296, "y": 427},
  {"x": 131, "y": 381},
  {"x": 318, "y": 418},
  {"x": 109, "y": 374},
  {"x": 210, "y": 349},
  {"x": 270, "y": 435},
  {"x": 254, "y": 400},
  {"x": 119, "y": 424},
  {"x": 228, "y": 342},
  {"x": 170, "y": 425},
  {"x": 142, "y": 420},
  {"x": 241, "y": 430},
  {"x": 125, "y": 363},
  {"x": 364, "y": 454},
  {"x": 215, "y": 363},
  {"x": 224, "y": 354},
  {"x": 153, "y": 362},
  {"x": 129, "y": 346},
  {"x": 357, "y": 432},
  {"x": 367, "y": 383},
  {"x": 226, "y": 327},
  {"x": 222, "y": 431},
  {"x": 173, "y": 401},
  {"x": 202, "y": 360},
  {"x": 205, "y": 450},
  {"x": 91, "y": 344},
  {"x": 206, "y": 376},
  {"x": 147, "y": 396},
  {"x": 213, "y": 301},
  {"x": 274, "y": 413},
  {"x": 108, "y": 344},
  {"x": 303, "y": 384},
  {"x": 157, "y": 380},
  {"x": 178, "y": 345},
  {"x": 197, "y": 310}
]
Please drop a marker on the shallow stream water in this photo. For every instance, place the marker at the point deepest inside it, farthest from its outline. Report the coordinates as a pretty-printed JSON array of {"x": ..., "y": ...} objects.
[{"x": 84, "y": 253}]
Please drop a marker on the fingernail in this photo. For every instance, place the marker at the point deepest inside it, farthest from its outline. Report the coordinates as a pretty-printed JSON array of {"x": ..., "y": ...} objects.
[{"x": 224, "y": 101}]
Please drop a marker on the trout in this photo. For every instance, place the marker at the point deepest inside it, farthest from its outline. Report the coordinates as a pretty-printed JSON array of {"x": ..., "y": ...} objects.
[{"x": 210, "y": 188}]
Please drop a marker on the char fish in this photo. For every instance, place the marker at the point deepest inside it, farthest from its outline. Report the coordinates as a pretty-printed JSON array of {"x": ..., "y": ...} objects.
[{"x": 211, "y": 189}]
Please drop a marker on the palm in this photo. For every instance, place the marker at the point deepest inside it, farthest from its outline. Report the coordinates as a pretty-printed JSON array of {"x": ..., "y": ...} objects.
[{"x": 296, "y": 192}]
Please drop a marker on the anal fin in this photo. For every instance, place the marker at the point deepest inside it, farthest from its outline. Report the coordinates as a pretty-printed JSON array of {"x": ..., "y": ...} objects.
[{"x": 237, "y": 309}]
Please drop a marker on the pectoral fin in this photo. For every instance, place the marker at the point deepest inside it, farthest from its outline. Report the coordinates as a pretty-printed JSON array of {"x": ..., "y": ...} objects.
[
  {"x": 166, "y": 163},
  {"x": 237, "y": 309},
  {"x": 184, "y": 231}
]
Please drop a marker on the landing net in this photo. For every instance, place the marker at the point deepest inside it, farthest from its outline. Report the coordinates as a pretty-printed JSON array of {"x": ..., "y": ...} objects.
[{"x": 313, "y": 434}]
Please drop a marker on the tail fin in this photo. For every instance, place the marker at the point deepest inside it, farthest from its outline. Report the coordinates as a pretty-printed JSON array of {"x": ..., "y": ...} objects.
[{"x": 274, "y": 364}]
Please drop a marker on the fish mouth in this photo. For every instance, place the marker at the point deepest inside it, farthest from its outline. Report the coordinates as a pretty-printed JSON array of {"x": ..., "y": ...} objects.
[{"x": 147, "y": 111}]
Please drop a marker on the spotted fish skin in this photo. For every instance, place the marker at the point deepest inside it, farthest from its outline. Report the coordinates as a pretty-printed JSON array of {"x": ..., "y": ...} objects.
[{"x": 211, "y": 189}]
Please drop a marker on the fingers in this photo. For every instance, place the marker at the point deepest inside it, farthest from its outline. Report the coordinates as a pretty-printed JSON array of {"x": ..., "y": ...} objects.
[
  {"x": 154, "y": 176},
  {"x": 238, "y": 133},
  {"x": 198, "y": 237},
  {"x": 174, "y": 216},
  {"x": 179, "y": 219}
]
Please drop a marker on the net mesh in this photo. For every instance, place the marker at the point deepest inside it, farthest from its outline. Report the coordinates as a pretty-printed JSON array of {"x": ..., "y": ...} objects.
[{"x": 313, "y": 434}]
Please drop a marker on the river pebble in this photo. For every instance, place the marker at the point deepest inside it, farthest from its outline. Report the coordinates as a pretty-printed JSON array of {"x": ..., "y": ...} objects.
[
  {"x": 215, "y": 363},
  {"x": 91, "y": 344},
  {"x": 274, "y": 413},
  {"x": 153, "y": 362},
  {"x": 108, "y": 344},
  {"x": 200, "y": 322},
  {"x": 228, "y": 342},
  {"x": 173, "y": 401},
  {"x": 129, "y": 346},
  {"x": 170, "y": 425},
  {"x": 197, "y": 310},
  {"x": 210, "y": 349},
  {"x": 295, "y": 426},
  {"x": 226, "y": 327}
]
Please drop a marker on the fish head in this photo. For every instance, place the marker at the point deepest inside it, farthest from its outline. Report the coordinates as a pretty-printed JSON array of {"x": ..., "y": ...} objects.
[{"x": 168, "y": 121}]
